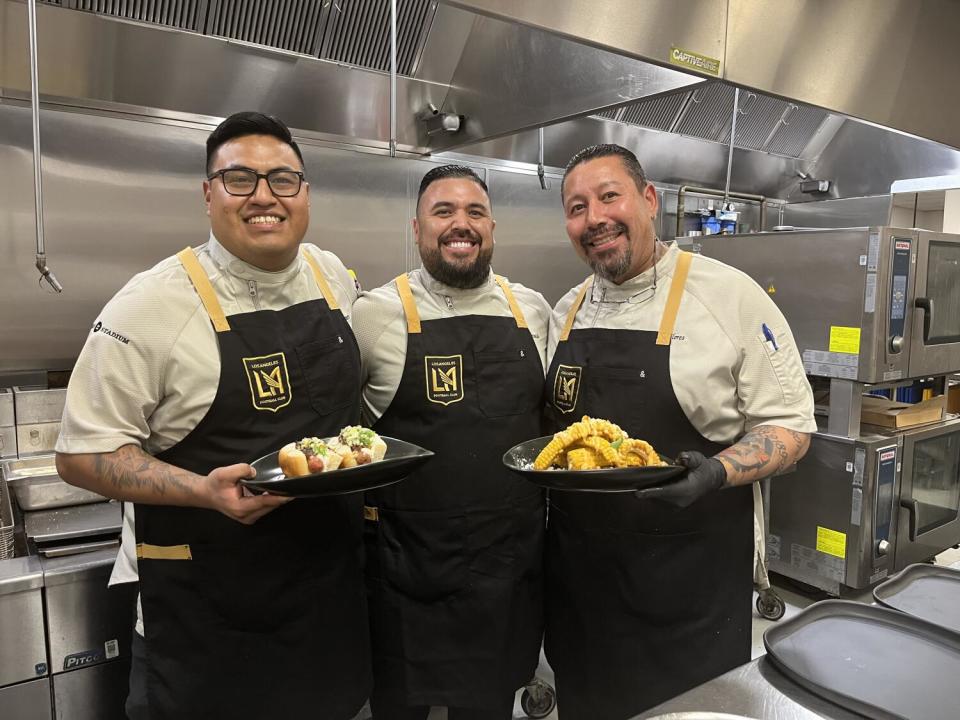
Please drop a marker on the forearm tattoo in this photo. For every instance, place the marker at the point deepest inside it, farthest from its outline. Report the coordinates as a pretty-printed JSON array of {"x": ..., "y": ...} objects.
[
  {"x": 130, "y": 469},
  {"x": 764, "y": 451}
]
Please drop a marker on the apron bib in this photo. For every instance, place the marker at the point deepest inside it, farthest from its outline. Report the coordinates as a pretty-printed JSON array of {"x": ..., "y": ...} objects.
[
  {"x": 266, "y": 620},
  {"x": 454, "y": 551},
  {"x": 643, "y": 600}
]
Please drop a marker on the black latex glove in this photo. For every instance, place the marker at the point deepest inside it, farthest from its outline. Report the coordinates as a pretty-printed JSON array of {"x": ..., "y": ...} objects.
[{"x": 704, "y": 475}]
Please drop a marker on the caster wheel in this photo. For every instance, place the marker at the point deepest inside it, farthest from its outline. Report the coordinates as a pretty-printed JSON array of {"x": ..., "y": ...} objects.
[
  {"x": 540, "y": 702},
  {"x": 771, "y": 606}
]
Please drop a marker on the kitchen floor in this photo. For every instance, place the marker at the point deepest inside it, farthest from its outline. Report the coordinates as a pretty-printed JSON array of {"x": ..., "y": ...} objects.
[{"x": 793, "y": 600}]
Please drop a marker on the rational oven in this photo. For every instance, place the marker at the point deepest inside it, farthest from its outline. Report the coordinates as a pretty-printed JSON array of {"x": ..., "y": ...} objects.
[
  {"x": 871, "y": 305},
  {"x": 859, "y": 509}
]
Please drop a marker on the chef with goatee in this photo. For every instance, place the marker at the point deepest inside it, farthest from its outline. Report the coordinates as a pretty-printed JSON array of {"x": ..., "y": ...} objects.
[
  {"x": 453, "y": 360},
  {"x": 648, "y": 596}
]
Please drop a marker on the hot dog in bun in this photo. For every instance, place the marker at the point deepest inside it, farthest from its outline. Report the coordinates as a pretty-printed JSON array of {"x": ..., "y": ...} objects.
[
  {"x": 307, "y": 457},
  {"x": 358, "y": 445}
]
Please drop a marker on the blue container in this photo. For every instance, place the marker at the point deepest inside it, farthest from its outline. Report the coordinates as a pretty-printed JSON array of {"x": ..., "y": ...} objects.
[
  {"x": 710, "y": 225},
  {"x": 728, "y": 227}
]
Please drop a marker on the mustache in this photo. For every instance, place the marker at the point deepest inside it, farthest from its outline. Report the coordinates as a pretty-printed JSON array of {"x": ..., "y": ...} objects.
[
  {"x": 590, "y": 235},
  {"x": 460, "y": 234}
]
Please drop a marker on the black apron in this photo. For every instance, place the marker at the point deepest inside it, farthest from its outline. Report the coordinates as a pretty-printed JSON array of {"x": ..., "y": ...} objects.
[
  {"x": 266, "y": 620},
  {"x": 455, "y": 551},
  {"x": 643, "y": 600}
]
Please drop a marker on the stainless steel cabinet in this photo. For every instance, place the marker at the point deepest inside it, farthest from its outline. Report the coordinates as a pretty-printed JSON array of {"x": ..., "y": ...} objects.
[
  {"x": 27, "y": 701},
  {"x": 23, "y": 652}
]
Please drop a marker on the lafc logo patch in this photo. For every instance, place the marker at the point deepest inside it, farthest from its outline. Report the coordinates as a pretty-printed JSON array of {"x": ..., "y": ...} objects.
[
  {"x": 269, "y": 381},
  {"x": 444, "y": 378},
  {"x": 566, "y": 387}
]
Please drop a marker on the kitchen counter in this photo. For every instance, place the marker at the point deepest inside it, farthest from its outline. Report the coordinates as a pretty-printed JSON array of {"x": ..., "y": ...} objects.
[{"x": 756, "y": 690}]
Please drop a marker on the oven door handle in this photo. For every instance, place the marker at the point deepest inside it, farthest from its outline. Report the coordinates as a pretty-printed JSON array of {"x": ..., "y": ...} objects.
[
  {"x": 912, "y": 511},
  {"x": 925, "y": 304}
]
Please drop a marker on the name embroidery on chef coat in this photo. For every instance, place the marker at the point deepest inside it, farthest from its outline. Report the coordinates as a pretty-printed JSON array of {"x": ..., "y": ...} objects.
[
  {"x": 269, "y": 381},
  {"x": 566, "y": 387},
  {"x": 444, "y": 375}
]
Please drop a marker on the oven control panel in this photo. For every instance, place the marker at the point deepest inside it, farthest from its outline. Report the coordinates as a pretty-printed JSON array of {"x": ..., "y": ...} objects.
[
  {"x": 900, "y": 270},
  {"x": 886, "y": 478}
]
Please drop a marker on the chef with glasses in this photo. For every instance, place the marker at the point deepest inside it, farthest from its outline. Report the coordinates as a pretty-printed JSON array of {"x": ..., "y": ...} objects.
[{"x": 251, "y": 606}]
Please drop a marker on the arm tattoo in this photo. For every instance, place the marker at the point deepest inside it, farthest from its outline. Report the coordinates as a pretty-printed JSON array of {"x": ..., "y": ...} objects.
[
  {"x": 131, "y": 469},
  {"x": 764, "y": 451}
]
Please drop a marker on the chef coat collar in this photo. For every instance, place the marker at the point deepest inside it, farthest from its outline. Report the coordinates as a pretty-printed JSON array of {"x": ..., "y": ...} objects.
[
  {"x": 435, "y": 286},
  {"x": 611, "y": 292},
  {"x": 232, "y": 265}
]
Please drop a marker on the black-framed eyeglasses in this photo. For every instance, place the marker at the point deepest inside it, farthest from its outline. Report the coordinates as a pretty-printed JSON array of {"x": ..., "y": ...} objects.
[{"x": 242, "y": 182}]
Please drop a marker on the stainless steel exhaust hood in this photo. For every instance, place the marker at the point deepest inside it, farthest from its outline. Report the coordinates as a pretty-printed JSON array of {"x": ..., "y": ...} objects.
[{"x": 882, "y": 62}]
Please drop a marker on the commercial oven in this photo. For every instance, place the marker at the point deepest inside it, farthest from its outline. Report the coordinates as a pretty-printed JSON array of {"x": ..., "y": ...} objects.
[
  {"x": 859, "y": 509},
  {"x": 871, "y": 305}
]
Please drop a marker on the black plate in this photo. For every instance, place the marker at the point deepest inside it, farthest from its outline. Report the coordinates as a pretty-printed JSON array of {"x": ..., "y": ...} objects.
[
  {"x": 924, "y": 591},
  {"x": 869, "y": 659},
  {"x": 402, "y": 458},
  {"x": 520, "y": 459}
]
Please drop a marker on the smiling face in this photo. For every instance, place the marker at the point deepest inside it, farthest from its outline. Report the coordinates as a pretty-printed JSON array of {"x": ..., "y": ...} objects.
[
  {"x": 609, "y": 220},
  {"x": 261, "y": 229},
  {"x": 454, "y": 232}
]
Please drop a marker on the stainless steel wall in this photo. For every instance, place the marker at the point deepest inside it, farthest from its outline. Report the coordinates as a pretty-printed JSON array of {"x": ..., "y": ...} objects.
[{"x": 121, "y": 194}]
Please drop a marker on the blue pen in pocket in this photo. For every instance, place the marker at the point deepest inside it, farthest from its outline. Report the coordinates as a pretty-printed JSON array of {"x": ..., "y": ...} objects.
[{"x": 768, "y": 334}]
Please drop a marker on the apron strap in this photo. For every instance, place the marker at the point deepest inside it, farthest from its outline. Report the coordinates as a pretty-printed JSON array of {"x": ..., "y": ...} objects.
[
  {"x": 163, "y": 552},
  {"x": 201, "y": 283},
  {"x": 409, "y": 304},
  {"x": 572, "y": 315},
  {"x": 673, "y": 299},
  {"x": 514, "y": 307},
  {"x": 321, "y": 280}
]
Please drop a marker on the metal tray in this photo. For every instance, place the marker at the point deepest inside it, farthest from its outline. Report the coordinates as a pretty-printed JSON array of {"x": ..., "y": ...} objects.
[
  {"x": 520, "y": 459},
  {"x": 66, "y": 524},
  {"x": 925, "y": 591},
  {"x": 37, "y": 486},
  {"x": 6, "y": 524},
  {"x": 402, "y": 458},
  {"x": 868, "y": 659}
]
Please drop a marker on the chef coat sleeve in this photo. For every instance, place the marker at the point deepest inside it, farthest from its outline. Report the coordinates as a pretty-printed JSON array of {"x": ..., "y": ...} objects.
[
  {"x": 381, "y": 331},
  {"x": 771, "y": 383},
  {"x": 118, "y": 380}
]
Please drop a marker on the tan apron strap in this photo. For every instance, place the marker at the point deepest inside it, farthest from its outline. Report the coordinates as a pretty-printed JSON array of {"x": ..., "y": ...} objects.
[
  {"x": 371, "y": 514},
  {"x": 572, "y": 315},
  {"x": 673, "y": 299},
  {"x": 201, "y": 283},
  {"x": 409, "y": 304},
  {"x": 163, "y": 552},
  {"x": 321, "y": 280},
  {"x": 514, "y": 306}
]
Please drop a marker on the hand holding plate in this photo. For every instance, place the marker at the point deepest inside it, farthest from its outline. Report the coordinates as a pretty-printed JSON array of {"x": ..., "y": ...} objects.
[
  {"x": 223, "y": 492},
  {"x": 703, "y": 476}
]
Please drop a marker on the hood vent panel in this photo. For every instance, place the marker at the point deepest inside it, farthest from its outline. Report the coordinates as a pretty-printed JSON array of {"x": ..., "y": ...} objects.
[
  {"x": 765, "y": 123},
  {"x": 355, "y": 32},
  {"x": 285, "y": 24},
  {"x": 182, "y": 14}
]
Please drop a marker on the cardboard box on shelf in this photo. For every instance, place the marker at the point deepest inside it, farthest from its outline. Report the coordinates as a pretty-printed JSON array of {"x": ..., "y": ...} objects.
[
  {"x": 888, "y": 413},
  {"x": 953, "y": 399}
]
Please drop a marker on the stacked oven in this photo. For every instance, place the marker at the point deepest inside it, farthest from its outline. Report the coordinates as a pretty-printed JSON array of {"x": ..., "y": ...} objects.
[
  {"x": 64, "y": 635},
  {"x": 871, "y": 309}
]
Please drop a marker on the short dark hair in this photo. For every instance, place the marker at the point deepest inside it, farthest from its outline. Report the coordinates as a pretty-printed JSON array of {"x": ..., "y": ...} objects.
[
  {"x": 444, "y": 172},
  {"x": 629, "y": 160},
  {"x": 246, "y": 123}
]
